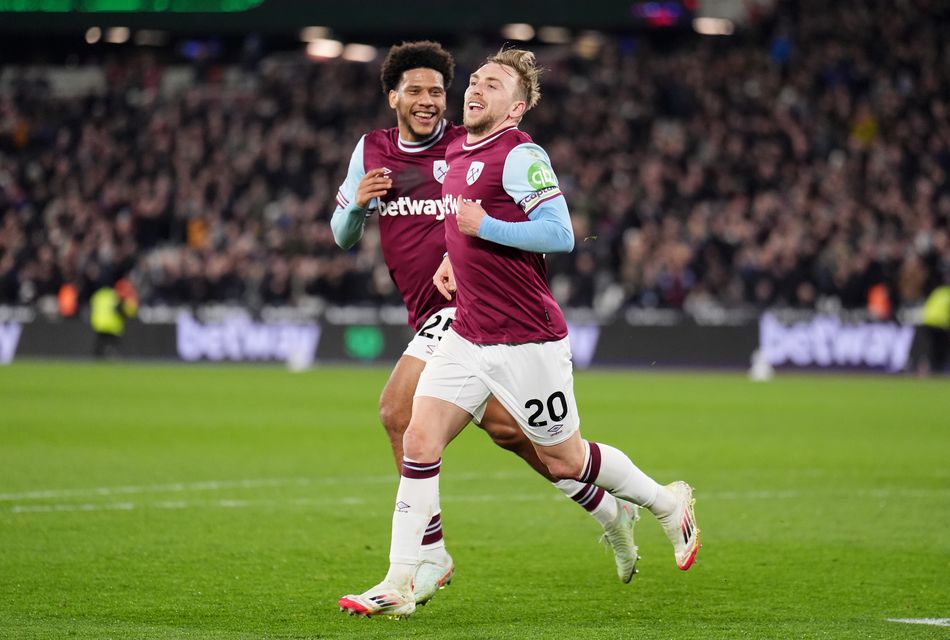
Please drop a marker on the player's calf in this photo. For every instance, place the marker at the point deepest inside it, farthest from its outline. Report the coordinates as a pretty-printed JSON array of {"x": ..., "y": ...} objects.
[
  {"x": 510, "y": 437},
  {"x": 395, "y": 423}
]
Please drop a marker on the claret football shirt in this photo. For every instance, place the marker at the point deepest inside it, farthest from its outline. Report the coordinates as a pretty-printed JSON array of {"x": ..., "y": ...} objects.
[
  {"x": 503, "y": 295},
  {"x": 412, "y": 214}
]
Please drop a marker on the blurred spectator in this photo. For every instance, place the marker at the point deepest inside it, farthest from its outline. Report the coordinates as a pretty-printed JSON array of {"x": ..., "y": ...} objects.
[
  {"x": 110, "y": 306},
  {"x": 936, "y": 330}
]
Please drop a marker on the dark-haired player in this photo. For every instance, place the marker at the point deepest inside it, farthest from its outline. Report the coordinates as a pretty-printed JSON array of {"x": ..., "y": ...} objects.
[
  {"x": 509, "y": 339},
  {"x": 397, "y": 173}
]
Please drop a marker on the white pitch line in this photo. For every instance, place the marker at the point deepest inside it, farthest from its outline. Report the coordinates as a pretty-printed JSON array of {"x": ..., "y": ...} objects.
[
  {"x": 935, "y": 622},
  {"x": 60, "y": 508},
  {"x": 175, "y": 487},
  {"x": 244, "y": 504},
  {"x": 217, "y": 485},
  {"x": 750, "y": 495},
  {"x": 336, "y": 501}
]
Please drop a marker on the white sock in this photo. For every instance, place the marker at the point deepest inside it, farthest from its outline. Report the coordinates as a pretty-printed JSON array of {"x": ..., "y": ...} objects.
[
  {"x": 416, "y": 501},
  {"x": 602, "y": 506},
  {"x": 606, "y": 511},
  {"x": 611, "y": 469},
  {"x": 433, "y": 542}
]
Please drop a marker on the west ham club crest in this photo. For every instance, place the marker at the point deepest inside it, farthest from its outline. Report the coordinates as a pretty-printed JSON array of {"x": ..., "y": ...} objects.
[
  {"x": 474, "y": 170},
  {"x": 439, "y": 169}
]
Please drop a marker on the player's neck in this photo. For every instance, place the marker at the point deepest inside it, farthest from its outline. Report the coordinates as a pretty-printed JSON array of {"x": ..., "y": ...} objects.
[
  {"x": 407, "y": 137},
  {"x": 507, "y": 123}
]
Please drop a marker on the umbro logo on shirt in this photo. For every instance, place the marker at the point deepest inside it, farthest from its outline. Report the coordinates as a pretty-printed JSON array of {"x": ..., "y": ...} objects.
[{"x": 474, "y": 171}]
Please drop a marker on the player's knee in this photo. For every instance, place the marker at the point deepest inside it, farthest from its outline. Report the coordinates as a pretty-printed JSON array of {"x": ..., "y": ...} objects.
[
  {"x": 418, "y": 445},
  {"x": 564, "y": 469},
  {"x": 394, "y": 418}
]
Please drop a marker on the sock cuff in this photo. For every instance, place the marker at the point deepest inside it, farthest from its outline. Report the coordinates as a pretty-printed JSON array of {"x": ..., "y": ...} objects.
[
  {"x": 420, "y": 470},
  {"x": 433, "y": 532},
  {"x": 568, "y": 487},
  {"x": 591, "y": 464},
  {"x": 589, "y": 497}
]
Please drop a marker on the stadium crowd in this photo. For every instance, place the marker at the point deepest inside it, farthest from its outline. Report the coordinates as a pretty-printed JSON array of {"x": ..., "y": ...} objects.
[{"x": 803, "y": 163}]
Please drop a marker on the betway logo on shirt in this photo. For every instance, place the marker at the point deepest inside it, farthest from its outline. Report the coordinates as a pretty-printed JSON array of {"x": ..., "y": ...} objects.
[{"x": 405, "y": 206}]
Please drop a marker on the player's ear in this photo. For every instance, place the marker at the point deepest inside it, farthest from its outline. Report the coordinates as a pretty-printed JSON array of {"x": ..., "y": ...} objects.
[
  {"x": 518, "y": 109},
  {"x": 393, "y": 96}
]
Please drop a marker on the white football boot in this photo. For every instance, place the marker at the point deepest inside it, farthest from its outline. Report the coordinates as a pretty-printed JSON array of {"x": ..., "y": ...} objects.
[
  {"x": 432, "y": 576},
  {"x": 619, "y": 535},
  {"x": 382, "y": 600},
  {"x": 681, "y": 527}
]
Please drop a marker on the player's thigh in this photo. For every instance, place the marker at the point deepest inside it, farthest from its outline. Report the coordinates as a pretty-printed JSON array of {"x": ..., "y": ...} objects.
[
  {"x": 535, "y": 383},
  {"x": 395, "y": 401},
  {"x": 453, "y": 375}
]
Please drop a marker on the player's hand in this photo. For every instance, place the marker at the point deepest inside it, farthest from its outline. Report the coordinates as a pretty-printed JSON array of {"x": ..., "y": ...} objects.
[
  {"x": 374, "y": 184},
  {"x": 469, "y": 216},
  {"x": 444, "y": 279}
]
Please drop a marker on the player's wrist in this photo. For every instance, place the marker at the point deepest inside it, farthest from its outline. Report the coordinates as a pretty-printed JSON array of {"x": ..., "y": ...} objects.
[
  {"x": 361, "y": 210},
  {"x": 486, "y": 227}
]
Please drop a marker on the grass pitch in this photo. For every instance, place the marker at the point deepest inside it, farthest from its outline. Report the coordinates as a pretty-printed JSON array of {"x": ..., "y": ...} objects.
[{"x": 212, "y": 502}]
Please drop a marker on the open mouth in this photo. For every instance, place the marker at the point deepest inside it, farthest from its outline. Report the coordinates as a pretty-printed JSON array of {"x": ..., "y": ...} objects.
[
  {"x": 424, "y": 117},
  {"x": 475, "y": 107}
]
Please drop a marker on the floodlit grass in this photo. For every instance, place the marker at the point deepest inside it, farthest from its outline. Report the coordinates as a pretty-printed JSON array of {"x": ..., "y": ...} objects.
[{"x": 216, "y": 502}]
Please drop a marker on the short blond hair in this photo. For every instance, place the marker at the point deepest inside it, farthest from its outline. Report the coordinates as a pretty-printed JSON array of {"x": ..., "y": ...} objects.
[{"x": 526, "y": 66}]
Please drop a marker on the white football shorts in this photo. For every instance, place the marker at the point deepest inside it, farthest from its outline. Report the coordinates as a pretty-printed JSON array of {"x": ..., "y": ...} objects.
[
  {"x": 427, "y": 338},
  {"x": 533, "y": 381},
  {"x": 426, "y": 342}
]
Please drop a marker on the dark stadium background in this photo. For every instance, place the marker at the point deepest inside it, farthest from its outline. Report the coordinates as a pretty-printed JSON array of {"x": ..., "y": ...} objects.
[{"x": 742, "y": 176}]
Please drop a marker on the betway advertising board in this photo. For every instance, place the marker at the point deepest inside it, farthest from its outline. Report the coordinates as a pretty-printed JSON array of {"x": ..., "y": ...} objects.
[
  {"x": 826, "y": 341},
  {"x": 9, "y": 339},
  {"x": 240, "y": 339},
  {"x": 815, "y": 342}
]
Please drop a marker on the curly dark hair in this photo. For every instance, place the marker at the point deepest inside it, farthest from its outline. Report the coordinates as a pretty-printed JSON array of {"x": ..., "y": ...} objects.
[{"x": 414, "y": 55}]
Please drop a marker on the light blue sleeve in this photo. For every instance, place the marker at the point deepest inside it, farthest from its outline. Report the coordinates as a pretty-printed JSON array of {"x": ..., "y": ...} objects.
[
  {"x": 348, "y": 219},
  {"x": 530, "y": 181}
]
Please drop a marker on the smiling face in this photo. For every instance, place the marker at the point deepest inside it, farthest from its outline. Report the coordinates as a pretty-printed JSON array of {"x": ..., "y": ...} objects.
[
  {"x": 419, "y": 103},
  {"x": 492, "y": 100}
]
